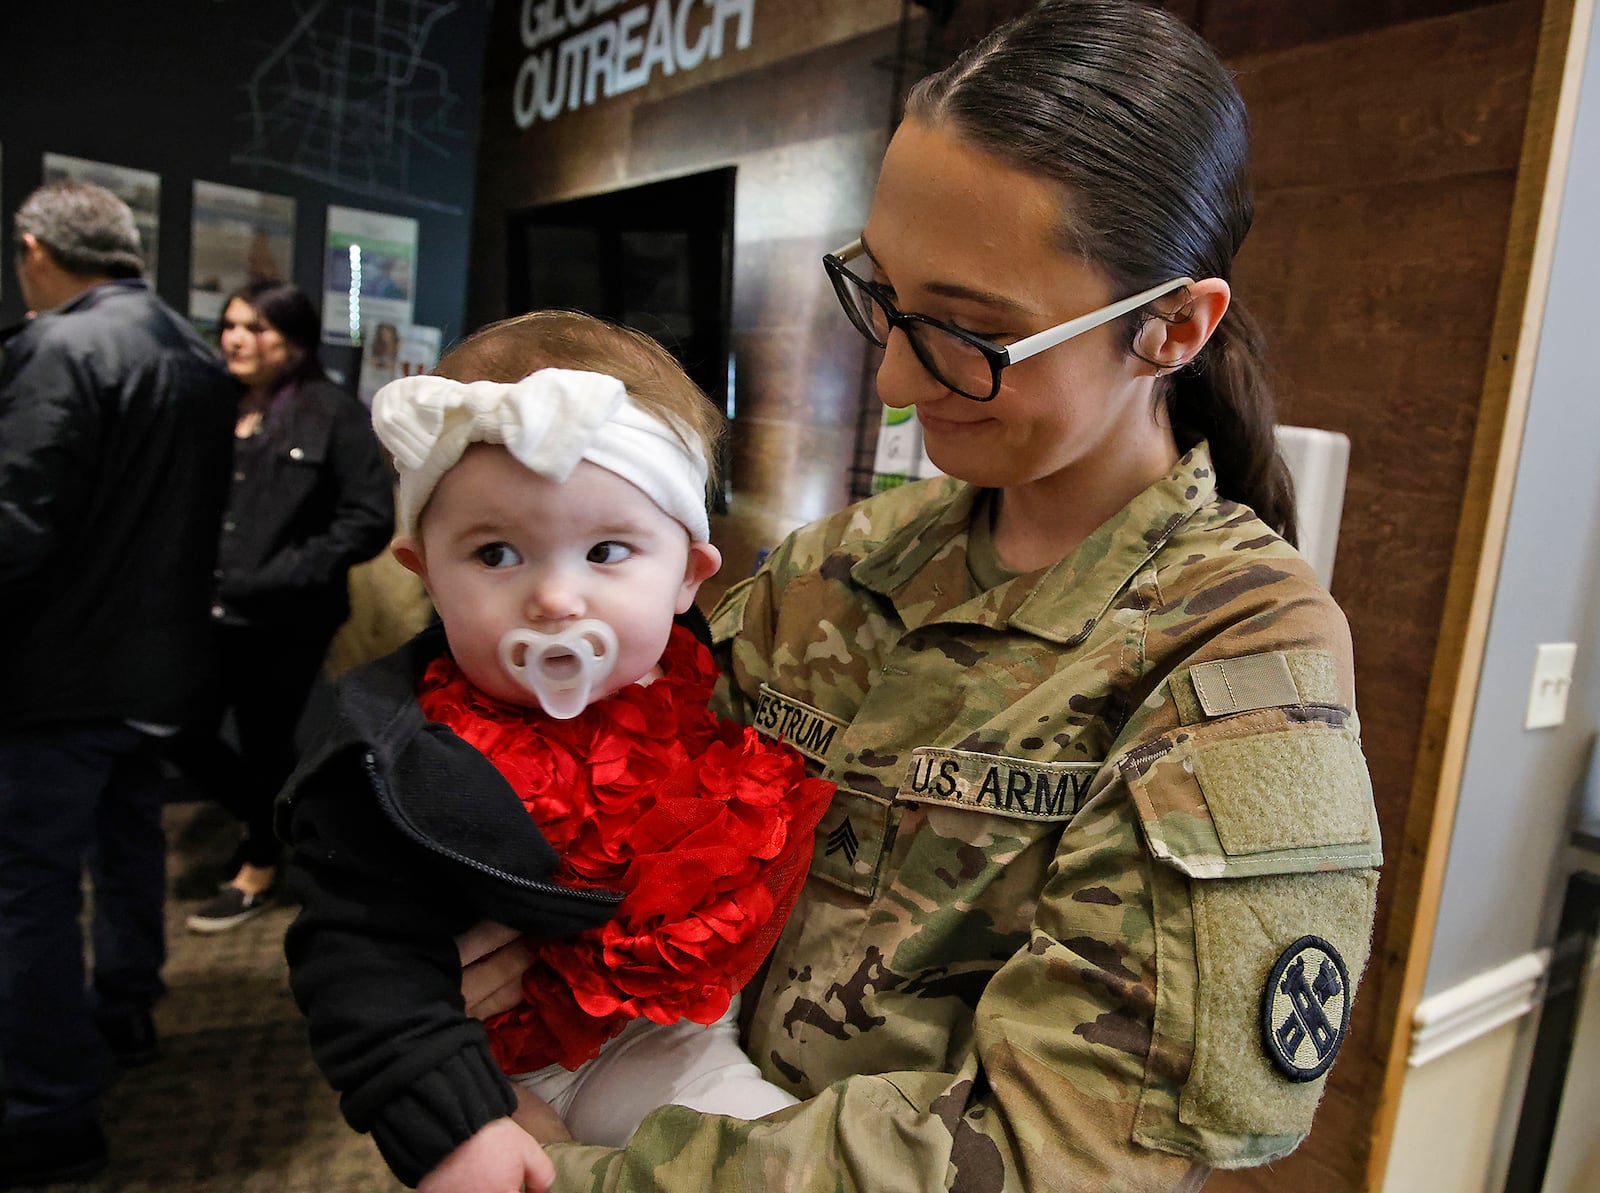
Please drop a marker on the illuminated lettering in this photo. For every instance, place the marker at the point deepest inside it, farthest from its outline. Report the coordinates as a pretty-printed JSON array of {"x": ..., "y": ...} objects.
[
  {"x": 645, "y": 40},
  {"x": 689, "y": 56},
  {"x": 540, "y": 23},
  {"x": 540, "y": 90},
  {"x": 602, "y": 72},
  {"x": 630, "y": 45},
  {"x": 658, "y": 42},
  {"x": 725, "y": 10},
  {"x": 525, "y": 94}
]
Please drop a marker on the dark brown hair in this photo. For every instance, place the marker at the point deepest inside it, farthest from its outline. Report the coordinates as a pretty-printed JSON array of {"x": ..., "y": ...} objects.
[
  {"x": 1134, "y": 115},
  {"x": 509, "y": 350},
  {"x": 288, "y": 310}
]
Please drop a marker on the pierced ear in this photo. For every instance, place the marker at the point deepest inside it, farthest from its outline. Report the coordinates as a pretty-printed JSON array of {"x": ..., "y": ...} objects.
[
  {"x": 407, "y": 548},
  {"x": 704, "y": 560},
  {"x": 1170, "y": 343}
]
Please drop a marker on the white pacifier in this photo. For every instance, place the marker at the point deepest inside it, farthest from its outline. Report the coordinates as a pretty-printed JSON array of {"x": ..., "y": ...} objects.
[{"x": 561, "y": 670}]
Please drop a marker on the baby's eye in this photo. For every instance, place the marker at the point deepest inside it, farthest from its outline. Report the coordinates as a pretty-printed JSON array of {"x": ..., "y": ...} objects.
[
  {"x": 609, "y": 551},
  {"x": 497, "y": 555}
]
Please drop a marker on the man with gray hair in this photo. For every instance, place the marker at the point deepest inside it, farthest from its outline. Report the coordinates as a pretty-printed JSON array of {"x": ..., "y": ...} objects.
[{"x": 115, "y": 421}]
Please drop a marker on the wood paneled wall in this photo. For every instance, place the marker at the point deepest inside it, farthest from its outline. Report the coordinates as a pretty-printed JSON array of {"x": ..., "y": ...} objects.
[{"x": 1386, "y": 165}]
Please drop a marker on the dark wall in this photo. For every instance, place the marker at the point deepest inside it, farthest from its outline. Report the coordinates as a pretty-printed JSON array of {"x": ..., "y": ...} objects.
[{"x": 169, "y": 88}]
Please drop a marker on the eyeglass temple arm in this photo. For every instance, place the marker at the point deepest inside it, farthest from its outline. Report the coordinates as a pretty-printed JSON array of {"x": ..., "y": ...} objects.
[
  {"x": 1050, "y": 337},
  {"x": 849, "y": 253}
]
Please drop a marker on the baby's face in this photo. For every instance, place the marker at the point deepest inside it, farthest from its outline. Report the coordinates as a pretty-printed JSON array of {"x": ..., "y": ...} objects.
[{"x": 501, "y": 548}]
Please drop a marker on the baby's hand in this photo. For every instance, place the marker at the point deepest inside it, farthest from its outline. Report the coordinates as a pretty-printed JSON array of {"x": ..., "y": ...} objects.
[{"x": 500, "y": 1158}]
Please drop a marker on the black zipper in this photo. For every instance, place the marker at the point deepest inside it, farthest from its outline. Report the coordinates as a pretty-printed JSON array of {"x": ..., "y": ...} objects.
[{"x": 584, "y": 894}]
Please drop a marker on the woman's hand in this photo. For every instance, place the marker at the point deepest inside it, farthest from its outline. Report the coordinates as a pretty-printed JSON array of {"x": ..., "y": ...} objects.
[
  {"x": 493, "y": 960},
  {"x": 500, "y": 1158}
]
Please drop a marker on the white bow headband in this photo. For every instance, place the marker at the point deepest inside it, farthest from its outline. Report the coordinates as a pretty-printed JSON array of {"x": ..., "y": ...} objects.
[{"x": 549, "y": 421}]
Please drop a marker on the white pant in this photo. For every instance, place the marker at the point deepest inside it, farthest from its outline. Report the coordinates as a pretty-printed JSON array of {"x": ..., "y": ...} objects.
[{"x": 650, "y": 1065}]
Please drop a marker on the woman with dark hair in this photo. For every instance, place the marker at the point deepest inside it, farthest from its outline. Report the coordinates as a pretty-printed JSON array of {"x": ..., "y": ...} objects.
[
  {"x": 1088, "y": 909},
  {"x": 311, "y": 497}
]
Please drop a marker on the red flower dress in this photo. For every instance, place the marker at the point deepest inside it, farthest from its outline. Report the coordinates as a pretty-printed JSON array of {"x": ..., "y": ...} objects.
[{"x": 704, "y": 825}]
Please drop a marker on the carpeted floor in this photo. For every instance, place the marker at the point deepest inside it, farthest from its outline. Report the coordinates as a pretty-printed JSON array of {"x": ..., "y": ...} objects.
[{"x": 234, "y": 1105}]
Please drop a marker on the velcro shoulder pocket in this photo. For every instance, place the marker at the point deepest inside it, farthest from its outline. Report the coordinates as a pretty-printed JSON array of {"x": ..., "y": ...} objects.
[
  {"x": 1257, "y": 793},
  {"x": 1265, "y": 835}
]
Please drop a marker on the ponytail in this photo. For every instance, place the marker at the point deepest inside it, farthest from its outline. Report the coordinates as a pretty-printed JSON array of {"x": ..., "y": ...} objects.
[{"x": 1225, "y": 397}]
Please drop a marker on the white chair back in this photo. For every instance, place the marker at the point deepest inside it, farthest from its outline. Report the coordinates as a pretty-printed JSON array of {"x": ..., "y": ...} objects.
[{"x": 1318, "y": 461}]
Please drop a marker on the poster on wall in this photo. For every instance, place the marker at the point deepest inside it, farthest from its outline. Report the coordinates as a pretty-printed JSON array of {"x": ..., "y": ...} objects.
[
  {"x": 139, "y": 189},
  {"x": 239, "y": 236},
  {"x": 389, "y": 350},
  {"x": 369, "y": 273}
]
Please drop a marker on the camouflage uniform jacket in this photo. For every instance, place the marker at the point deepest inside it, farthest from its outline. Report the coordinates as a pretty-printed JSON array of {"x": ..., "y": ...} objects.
[{"x": 1087, "y": 909}]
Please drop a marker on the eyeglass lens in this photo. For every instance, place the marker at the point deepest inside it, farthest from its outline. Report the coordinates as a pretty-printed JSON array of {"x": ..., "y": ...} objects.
[{"x": 953, "y": 361}]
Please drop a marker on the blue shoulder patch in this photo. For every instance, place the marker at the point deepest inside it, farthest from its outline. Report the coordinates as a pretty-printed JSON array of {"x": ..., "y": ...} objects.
[{"x": 1305, "y": 1009}]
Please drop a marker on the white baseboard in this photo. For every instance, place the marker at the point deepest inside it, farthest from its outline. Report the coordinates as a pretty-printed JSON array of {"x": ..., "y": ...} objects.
[{"x": 1477, "y": 1006}]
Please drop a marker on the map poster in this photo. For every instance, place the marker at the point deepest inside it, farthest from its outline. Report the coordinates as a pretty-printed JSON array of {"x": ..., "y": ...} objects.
[
  {"x": 239, "y": 236},
  {"x": 369, "y": 273},
  {"x": 139, "y": 189}
]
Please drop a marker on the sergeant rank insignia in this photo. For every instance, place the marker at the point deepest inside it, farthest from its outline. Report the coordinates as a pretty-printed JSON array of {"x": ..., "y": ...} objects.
[
  {"x": 1305, "y": 1009},
  {"x": 844, "y": 838}
]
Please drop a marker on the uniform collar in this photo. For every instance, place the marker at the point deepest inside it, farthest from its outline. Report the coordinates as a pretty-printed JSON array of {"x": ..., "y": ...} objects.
[{"x": 922, "y": 567}]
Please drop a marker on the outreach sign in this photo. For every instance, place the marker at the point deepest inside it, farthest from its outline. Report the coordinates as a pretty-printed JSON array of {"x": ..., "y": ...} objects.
[{"x": 570, "y": 67}]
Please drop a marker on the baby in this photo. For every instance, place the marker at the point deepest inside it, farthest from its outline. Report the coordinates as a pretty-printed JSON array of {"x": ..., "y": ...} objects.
[{"x": 545, "y": 760}]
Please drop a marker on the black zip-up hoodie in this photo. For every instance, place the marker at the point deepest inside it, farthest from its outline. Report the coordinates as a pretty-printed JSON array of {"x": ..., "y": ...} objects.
[{"x": 402, "y": 836}]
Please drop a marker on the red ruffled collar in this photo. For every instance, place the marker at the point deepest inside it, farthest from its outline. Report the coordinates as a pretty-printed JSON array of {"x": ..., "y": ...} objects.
[{"x": 704, "y": 825}]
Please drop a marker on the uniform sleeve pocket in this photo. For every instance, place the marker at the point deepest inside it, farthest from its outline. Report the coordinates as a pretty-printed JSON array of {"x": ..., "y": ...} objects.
[
  {"x": 1266, "y": 845},
  {"x": 1251, "y": 795}
]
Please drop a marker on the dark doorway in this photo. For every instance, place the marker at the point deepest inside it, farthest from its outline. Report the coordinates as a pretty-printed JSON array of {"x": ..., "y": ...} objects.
[{"x": 657, "y": 258}]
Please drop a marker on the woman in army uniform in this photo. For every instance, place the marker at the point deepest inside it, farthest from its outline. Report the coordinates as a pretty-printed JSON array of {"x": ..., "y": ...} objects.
[{"x": 1089, "y": 907}]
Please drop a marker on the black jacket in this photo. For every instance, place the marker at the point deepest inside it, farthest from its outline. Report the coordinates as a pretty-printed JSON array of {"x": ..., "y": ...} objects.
[
  {"x": 403, "y": 836},
  {"x": 115, "y": 438},
  {"x": 311, "y": 499}
]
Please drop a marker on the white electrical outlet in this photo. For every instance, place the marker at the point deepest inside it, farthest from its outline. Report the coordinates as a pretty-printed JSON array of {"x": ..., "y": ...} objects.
[{"x": 1552, "y": 680}]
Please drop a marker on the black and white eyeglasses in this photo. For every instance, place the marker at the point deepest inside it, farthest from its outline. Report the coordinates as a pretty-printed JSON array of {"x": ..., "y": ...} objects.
[{"x": 959, "y": 360}]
